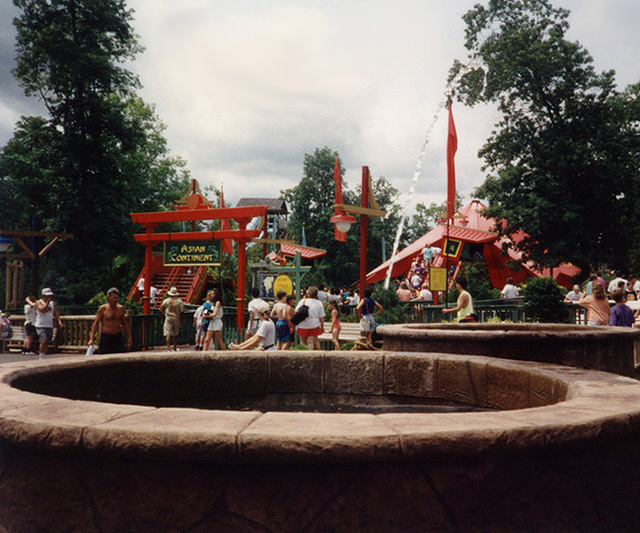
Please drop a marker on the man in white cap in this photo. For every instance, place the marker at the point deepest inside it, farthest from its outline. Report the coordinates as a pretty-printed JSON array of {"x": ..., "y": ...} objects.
[
  {"x": 172, "y": 307},
  {"x": 46, "y": 316}
]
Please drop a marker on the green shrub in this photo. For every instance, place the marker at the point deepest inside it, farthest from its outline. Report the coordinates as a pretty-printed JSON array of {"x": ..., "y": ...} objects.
[
  {"x": 543, "y": 301},
  {"x": 394, "y": 312}
]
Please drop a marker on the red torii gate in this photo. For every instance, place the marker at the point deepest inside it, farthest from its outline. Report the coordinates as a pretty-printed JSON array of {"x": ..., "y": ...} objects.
[{"x": 198, "y": 208}]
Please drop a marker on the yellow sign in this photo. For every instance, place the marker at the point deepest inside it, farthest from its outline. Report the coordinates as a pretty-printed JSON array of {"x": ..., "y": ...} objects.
[
  {"x": 437, "y": 279},
  {"x": 192, "y": 253},
  {"x": 452, "y": 248},
  {"x": 282, "y": 283}
]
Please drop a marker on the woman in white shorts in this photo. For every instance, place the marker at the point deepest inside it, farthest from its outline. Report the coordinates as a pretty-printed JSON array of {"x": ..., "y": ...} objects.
[{"x": 214, "y": 331}]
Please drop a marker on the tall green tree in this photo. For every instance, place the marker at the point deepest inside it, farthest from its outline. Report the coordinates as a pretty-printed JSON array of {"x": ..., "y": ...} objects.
[
  {"x": 100, "y": 153},
  {"x": 563, "y": 160},
  {"x": 311, "y": 205},
  {"x": 426, "y": 218}
]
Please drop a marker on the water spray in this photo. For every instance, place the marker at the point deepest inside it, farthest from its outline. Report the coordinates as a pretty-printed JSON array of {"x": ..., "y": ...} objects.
[{"x": 474, "y": 64}]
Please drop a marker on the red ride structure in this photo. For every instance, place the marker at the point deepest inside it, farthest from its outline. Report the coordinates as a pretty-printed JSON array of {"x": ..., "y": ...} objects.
[{"x": 198, "y": 208}]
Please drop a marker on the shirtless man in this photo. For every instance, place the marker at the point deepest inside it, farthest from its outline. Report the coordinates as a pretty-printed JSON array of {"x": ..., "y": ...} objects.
[
  {"x": 283, "y": 312},
  {"x": 114, "y": 325}
]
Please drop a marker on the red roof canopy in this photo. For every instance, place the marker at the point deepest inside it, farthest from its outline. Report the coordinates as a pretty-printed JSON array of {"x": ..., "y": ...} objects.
[
  {"x": 305, "y": 251},
  {"x": 470, "y": 226}
]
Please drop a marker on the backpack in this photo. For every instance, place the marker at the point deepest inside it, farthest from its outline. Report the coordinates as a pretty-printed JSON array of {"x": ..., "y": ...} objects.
[{"x": 300, "y": 314}]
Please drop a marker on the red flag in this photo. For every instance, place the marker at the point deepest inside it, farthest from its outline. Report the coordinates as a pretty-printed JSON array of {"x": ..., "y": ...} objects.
[
  {"x": 338, "y": 235},
  {"x": 227, "y": 244},
  {"x": 452, "y": 147}
]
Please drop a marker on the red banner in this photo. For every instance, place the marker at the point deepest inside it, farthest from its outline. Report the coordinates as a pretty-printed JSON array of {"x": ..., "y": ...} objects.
[{"x": 452, "y": 148}]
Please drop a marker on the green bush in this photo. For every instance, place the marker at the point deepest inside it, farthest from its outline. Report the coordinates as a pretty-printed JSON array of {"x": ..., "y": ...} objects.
[
  {"x": 543, "y": 301},
  {"x": 479, "y": 282},
  {"x": 394, "y": 312}
]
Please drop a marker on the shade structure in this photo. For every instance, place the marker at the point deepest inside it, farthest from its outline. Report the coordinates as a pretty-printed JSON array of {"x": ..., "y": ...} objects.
[
  {"x": 305, "y": 251},
  {"x": 471, "y": 227}
]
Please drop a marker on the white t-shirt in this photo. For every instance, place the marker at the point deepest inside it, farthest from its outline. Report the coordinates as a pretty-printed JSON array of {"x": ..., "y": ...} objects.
[
  {"x": 255, "y": 324},
  {"x": 316, "y": 311},
  {"x": 30, "y": 314},
  {"x": 198, "y": 315},
  {"x": 573, "y": 296},
  {"x": 426, "y": 295},
  {"x": 613, "y": 286},
  {"x": 267, "y": 331},
  {"x": 153, "y": 294},
  {"x": 45, "y": 319},
  {"x": 510, "y": 291}
]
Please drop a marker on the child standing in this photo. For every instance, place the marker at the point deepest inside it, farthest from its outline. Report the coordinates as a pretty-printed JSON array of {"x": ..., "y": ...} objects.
[
  {"x": 335, "y": 323},
  {"x": 621, "y": 313}
]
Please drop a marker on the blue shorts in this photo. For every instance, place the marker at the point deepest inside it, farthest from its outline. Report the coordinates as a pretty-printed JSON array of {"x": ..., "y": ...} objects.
[{"x": 283, "y": 334}]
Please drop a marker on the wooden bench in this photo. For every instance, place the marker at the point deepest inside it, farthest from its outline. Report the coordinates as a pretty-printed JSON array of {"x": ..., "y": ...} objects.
[
  {"x": 75, "y": 335},
  {"x": 350, "y": 332},
  {"x": 16, "y": 341}
]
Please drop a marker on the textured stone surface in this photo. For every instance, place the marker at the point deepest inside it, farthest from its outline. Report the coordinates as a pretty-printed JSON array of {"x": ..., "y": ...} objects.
[
  {"x": 597, "y": 348},
  {"x": 563, "y": 457},
  {"x": 408, "y": 375}
]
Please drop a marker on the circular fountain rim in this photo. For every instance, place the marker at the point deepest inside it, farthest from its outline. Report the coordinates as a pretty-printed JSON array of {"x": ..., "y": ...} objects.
[
  {"x": 596, "y": 404},
  {"x": 525, "y": 329}
]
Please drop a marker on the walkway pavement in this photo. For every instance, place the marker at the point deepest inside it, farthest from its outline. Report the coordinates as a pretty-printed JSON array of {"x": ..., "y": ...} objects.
[{"x": 15, "y": 357}]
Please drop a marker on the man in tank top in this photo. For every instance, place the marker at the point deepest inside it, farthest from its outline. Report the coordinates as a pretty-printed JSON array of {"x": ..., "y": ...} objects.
[{"x": 464, "y": 304}]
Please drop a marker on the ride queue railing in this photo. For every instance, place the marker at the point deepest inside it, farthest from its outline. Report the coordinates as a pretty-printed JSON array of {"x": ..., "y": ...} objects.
[{"x": 147, "y": 330}]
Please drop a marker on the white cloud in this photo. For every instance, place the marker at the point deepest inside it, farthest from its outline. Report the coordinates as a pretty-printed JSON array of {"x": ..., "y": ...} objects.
[{"x": 247, "y": 87}]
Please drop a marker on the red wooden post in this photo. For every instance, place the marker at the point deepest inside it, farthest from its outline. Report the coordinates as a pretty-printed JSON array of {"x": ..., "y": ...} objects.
[
  {"x": 148, "y": 274},
  {"x": 193, "y": 212},
  {"x": 364, "y": 230},
  {"x": 242, "y": 278}
]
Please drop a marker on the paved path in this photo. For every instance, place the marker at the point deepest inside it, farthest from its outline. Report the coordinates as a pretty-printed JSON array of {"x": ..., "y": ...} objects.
[{"x": 15, "y": 357}]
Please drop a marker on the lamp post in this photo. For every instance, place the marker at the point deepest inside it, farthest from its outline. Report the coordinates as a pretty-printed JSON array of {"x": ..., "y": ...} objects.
[{"x": 343, "y": 220}]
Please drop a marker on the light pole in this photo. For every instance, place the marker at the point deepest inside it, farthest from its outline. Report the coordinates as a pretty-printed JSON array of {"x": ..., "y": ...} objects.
[{"x": 368, "y": 208}]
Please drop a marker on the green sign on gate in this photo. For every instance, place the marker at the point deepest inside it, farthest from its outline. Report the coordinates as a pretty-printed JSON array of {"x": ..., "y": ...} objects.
[{"x": 192, "y": 253}]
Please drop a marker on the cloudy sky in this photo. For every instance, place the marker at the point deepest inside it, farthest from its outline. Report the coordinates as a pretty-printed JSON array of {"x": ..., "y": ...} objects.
[{"x": 247, "y": 87}]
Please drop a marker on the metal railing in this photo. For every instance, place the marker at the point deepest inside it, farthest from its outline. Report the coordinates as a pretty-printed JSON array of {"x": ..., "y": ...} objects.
[{"x": 147, "y": 330}]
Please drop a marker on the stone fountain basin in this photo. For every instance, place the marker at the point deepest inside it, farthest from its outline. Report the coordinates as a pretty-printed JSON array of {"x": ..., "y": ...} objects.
[
  {"x": 611, "y": 349},
  {"x": 114, "y": 443}
]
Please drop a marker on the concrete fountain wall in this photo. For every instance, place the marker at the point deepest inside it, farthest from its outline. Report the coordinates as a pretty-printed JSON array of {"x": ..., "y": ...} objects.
[
  {"x": 599, "y": 348},
  {"x": 142, "y": 443}
]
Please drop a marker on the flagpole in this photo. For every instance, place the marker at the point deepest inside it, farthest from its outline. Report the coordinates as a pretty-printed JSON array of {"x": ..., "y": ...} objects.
[
  {"x": 446, "y": 290},
  {"x": 452, "y": 147}
]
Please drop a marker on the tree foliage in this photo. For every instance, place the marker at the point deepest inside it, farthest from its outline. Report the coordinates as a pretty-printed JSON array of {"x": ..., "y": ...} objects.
[
  {"x": 426, "y": 218},
  {"x": 543, "y": 301},
  {"x": 99, "y": 155},
  {"x": 311, "y": 206},
  {"x": 563, "y": 161}
]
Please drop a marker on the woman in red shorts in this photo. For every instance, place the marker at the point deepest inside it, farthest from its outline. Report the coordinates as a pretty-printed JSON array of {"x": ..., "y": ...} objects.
[{"x": 313, "y": 326}]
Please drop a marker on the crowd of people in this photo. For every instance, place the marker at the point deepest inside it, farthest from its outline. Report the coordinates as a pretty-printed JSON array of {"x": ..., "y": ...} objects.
[
  {"x": 415, "y": 287},
  {"x": 596, "y": 295},
  {"x": 274, "y": 327},
  {"x": 42, "y": 320}
]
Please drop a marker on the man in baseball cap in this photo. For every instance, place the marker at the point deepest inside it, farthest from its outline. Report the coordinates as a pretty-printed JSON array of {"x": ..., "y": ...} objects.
[{"x": 46, "y": 316}]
